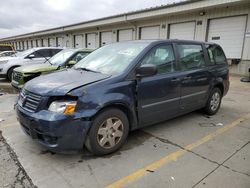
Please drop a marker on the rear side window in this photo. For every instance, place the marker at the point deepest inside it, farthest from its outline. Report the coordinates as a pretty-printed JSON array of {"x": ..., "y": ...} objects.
[
  {"x": 163, "y": 57},
  {"x": 216, "y": 54},
  {"x": 191, "y": 56},
  {"x": 54, "y": 51}
]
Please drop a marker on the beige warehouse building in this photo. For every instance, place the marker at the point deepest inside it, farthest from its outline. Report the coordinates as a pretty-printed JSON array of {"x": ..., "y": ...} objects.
[{"x": 226, "y": 22}]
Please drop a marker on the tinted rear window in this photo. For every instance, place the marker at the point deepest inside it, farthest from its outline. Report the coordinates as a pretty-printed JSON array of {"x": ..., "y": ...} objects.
[{"x": 216, "y": 54}]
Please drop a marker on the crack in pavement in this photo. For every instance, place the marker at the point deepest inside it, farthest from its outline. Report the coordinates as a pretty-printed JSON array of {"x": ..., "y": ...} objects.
[
  {"x": 222, "y": 164},
  {"x": 201, "y": 156}
]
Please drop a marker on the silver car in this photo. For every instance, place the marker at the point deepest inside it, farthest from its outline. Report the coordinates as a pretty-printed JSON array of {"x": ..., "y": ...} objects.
[{"x": 30, "y": 56}]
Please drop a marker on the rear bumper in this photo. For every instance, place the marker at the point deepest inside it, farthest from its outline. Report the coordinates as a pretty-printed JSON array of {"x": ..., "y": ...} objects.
[{"x": 56, "y": 132}]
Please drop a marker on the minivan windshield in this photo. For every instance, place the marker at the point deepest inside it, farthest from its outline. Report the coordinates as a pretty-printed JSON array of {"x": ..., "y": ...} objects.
[
  {"x": 112, "y": 59},
  {"x": 61, "y": 57}
]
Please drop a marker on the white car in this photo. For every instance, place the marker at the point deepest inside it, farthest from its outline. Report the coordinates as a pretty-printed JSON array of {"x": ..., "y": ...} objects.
[{"x": 31, "y": 56}]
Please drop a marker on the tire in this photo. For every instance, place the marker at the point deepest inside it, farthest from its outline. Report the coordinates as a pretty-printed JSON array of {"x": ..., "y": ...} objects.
[
  {"x": 214, "y": 102},
  {"x": 108, "y": 132},
  {"x": 9, "y": 73}
]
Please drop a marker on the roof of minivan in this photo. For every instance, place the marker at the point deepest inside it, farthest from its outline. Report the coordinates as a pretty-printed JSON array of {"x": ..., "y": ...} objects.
[{"x": 167, "y": 40}]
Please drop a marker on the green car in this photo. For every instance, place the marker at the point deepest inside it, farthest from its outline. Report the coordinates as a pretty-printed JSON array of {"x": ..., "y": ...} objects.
[{"x": 64, "y": 59}]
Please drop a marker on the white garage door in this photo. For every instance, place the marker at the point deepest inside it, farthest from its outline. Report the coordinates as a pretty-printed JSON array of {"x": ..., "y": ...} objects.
[
  {"x": 152, "y": 32},
  {"x": 51, "y": 42},
  {"x": 29, "y": 44},
  {"x": 91, "y": 40},
  {"x": 106, "y": 38},
  {"x": 229, "y": 33},
  {"x": 39, "y": 42},
  {"x": 34, "y": 43},
  {"x": 45, "y": 42},
  {"x": 125, "y": 35},
  {"x": 59, "y": 41},
  {"x": 79, "y": 41},
  {"x": 185, "y": 31}
]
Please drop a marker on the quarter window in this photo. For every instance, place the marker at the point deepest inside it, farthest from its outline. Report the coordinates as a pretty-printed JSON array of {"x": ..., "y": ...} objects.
[
  {"x": 216, "y": 54},
  {"x": 191, "y": 56},
  {"x": 162, "y": 57}
]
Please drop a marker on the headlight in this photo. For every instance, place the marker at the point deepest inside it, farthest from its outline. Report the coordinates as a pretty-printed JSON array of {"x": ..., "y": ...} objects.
[
  {"x": 3, "y": 62},
  {"x": 66, "y": 107}
]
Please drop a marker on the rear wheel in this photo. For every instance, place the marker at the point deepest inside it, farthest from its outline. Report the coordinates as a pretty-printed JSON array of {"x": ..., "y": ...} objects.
[
  {"x": 214, "y": 102},
  {"x": 108, "y": 132}
]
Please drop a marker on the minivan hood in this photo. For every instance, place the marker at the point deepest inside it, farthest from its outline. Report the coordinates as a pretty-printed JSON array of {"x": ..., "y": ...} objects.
[
  {"x": 61, "y": 82},
  {"x": 35, "y": 68}
]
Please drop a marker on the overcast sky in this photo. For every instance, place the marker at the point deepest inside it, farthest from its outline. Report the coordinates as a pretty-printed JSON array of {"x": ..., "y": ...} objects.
[{"x": 22, "y": 16}]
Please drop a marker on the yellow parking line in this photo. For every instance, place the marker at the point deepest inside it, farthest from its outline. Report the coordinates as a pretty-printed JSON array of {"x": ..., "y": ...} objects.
[
  {"x": 9, "y": 125},
  {"x": 173, "y": 156}
]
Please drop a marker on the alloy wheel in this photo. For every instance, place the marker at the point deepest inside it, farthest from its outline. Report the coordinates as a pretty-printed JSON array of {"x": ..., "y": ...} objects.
[
  {"x": 110, "y": 132},
  {"x": 215, "y": 101}
]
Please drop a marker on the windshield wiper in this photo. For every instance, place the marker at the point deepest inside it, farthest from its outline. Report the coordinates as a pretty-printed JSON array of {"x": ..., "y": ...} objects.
[{"x": 86, "y": 69}]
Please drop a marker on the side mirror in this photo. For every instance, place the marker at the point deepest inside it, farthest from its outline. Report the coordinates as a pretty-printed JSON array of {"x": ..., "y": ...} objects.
[
  {"x": 71, "y": 63},
  {"x": 31, "y": 56},
  {"x": 146, "y": 70}
]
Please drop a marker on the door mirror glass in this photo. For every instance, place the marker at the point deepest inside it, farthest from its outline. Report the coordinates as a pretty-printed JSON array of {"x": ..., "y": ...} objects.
[
  {"x": 31, "y": 56},
  {"x": 146, "y": 70},
  {"x": 71, "y": 63}
]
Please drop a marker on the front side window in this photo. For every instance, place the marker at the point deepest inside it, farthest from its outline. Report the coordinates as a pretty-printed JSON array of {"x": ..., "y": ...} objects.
[
  {"x": 216, "y": 54},
  {"x": 43, "y": 53},
  {"x": 163, "y": 57},
  {"x": 80, "y": 56},
  {"x": 191, "y": 56},
  {"x": 55, "y": 51},
  {"x": 61, "y": 57}
]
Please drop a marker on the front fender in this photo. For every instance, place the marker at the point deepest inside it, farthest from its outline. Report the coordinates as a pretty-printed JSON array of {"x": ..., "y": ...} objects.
[{"x": 92, "y": 102}]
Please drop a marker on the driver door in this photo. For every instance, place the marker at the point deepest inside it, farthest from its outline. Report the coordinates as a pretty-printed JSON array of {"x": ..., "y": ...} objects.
[{"x": 159, "y": 95}]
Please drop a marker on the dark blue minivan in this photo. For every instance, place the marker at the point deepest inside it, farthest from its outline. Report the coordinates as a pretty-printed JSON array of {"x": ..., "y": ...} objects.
[{"x": 119, "y": 88}]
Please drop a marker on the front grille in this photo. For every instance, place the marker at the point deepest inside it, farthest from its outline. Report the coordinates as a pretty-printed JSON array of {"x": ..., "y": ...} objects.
[
  {"x": 29, "y": 101},
  {"x": 17, "y": 76}
]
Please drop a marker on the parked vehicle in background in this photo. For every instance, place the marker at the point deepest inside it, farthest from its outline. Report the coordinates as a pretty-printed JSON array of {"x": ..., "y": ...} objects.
[
  {"x": 6, "y": 47},
  {"x": 121, "y": 87},
  {"x": 64, "y": 59},
  {"x": 7, "y": 53},
  {"x": 31, "y": 56}
]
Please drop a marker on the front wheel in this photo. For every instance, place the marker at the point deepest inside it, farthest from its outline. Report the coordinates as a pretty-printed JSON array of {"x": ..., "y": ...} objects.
[
  {"x": 108, "y": 132},
  {"x": 214, "y": 102},
  {"x": 9, "y": 73}
]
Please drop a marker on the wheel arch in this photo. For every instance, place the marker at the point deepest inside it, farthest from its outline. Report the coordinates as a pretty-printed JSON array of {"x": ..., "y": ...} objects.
[
  {"x": 220, "y": 86},
  {"x": 12, "y": 67},
  {"x": 124, "y": 108}
]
